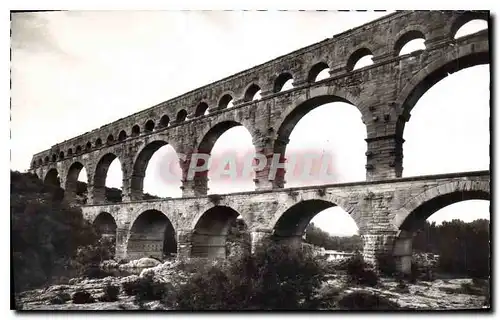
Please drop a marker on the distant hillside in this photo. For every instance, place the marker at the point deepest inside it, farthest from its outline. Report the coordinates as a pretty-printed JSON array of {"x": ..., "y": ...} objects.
[{"x": 113, "y": 195}]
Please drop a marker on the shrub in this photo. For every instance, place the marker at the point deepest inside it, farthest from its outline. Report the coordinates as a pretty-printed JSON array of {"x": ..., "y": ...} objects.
[
  {"x": 275, "y": 277},
  {"x": 362, "y": 300},
  {"x": 82, "y": 296},
  {"x": 60, "y": 298},
  {"x": 145, "y": 288},
  {"x": 111, "y": 293},
  {"x": 402, "y": 287},
  {"x": 359, "y": 272}
]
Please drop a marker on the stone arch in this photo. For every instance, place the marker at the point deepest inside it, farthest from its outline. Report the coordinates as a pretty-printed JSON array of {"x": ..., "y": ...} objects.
[
  {"x": 122, "y": 135},
  {"x": 164, "y": 121},
  {"x": 100, "y": 174},
  {"x": 140, "y": 165},
  {"x": 464, "y": 18},
  {"x": 151, "y": 234},
  {"x": 211, "y": 229},
  {"x": 70, "y": 152},
  {"x": 427, "y": 77},
  {"x": 46, "y": 159},
  {"x": 356, "y": 56},
  {"x": 281, "y": 80},
  {"x": 88, "y": 146},
  {"x": 136, "y": 130},
  {"x": 98, "y": 142},
  {"x": 431, "y": 200},
  {"x": 201, "y": 108},
  {"x": 250, "y": 92},
  {"x": 61, "y": 155},
  {"x": 110, "y": 139},
  {"x": 405, "y": 38},
  {"x": 149, "y": 126},
  {"x": 52, "y": 177},
  {"x": 105, "y": 225},
  {"x": 181, "y": 116},
  {"x": 315, "y": 70},
  {"x": 71, "y": 187},
  {"x": 54, "y": 158},
  {"x": 225, "y": 100},
  {"x": 290, "y": 224},
  {"x": 40, "y": 161}
]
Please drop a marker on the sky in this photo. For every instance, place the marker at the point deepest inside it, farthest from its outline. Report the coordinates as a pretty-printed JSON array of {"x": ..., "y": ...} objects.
[{"x": 75, "y": 71}]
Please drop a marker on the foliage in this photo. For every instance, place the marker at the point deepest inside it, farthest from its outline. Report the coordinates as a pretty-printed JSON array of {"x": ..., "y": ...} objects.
[
  {"x": 463, "y": 248},
  {"x": 360, "y": 272},
  {"x": 46, "y": 232},
  {"x": 275, "y": 277},
  {"x": 386, "y": 264},
  {"x": 145, "y": 288},
  {"x": 320, "y": 238},
  {"x": 111, "y": 293},
  {"x": 60, "y": 298},
  {"x": 82, "y": 296},
  {"x": 363, "y": 300},
  {"x": 88, "y": 258}
]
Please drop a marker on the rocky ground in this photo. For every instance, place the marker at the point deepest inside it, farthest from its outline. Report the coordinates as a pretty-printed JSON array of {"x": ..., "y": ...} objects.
[{"x": 424, "y": 295}]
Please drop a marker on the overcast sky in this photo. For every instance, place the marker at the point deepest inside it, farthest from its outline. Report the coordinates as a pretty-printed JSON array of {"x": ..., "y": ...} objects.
[{"x": 76, "y": 71}]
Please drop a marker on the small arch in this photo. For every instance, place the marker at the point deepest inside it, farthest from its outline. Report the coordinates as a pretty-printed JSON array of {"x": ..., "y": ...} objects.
[
  {"x": 54, "y": 158},
  {"x": 164, "y": 121},
  {"x": 151, "y": 235},
  {"x": 471, "y": 27},
  {"x": 136, "y": 130},
  {"x": 225, "y": 101},
  {"x": 122, "y": 136},
  {"x": 316, "y": 70},
  {"x": 70, "y": 152},
  {"x": 410, "y": 42},
  {"x": 201, "y": 109},
  {"x": 181, "y": 116},
  {"x": 40, "y": 162},
  {"x": 252, "y": 93},
  {"x": 110, "y": 139},
  {"x": 61, "y": 155},
  {"x": 46, "y": 159},
  {"x": 100, "y": 175},
  {"x": 88, "y": 146},
  {"x": 280, "y": 84},
  {"x": 359, "y": 59},
  {"x": 98, "y": 142},
  {"x": 150, "y": 125},
  {"x": 210, "y": 234}
]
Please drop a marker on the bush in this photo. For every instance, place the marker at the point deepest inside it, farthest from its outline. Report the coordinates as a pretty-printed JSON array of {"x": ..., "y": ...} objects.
[
  {"x": 82, "y": 296},
  {"x": 275, "y": 277},
  {"x": 402, "y": 287},
  {"x": 359, "y": 272},
  {"x": 60, "y": 298},
  {"x": 111, "y": 293},
  {"x": 146, "y": 288},
  {"x": 362, "y": 300}
]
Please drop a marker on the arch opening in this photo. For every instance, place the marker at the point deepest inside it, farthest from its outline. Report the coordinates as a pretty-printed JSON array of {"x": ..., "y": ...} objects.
[
  {"x": 470, "y": 27},
  {"x": 220, "y": 232},
  {"x": 321, "y": 224},
  {"x": 451, "y": 231},
  {"x": 283, "y": 82},
  {"x": 98, "y": 142},
  {"x": 76, "y": 184},
  {"x": 108, "y": 180},
  {"x": 201, "y": 109},
  {"x": 46, "y": 159},
  {"x": 88, "y": 146},
  {"x": 181, "y": 116},
  {"x": 156, "y": 172},
  {"x": 52, "y": 178},
  {"x": 321, "y": 141},
  {"x": 149, "y": 126},
  {"x": 61, "y": 155},
  {"x": 359, "y": 59},
  {"x": 70, "y": 152},
  {"x": 318, "y": 72},
  {"x": 105, "y": 226},
  {"x": 152, "y": 235},
  {"x": 164, "y": 121},
  {"x": 446, "y": 112},
  {"x": 54, "y": 158},
  {"x": 252, "y": 93},
  {"x": 122, "y": 136},
  {"x": 110, "y": 139},
  {"x": 410, "y": 42},
  {"x": 227, "y": 170},
  {"x": 226, "y": 101},
  {"x": 136, "y": 130}
]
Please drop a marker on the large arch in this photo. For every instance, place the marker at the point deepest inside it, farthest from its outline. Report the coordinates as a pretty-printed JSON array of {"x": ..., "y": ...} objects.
[
  {"x": 290, "y": 221},
  {"x": 105, "y": 226},
  {"x": 100, "y": 174},
  {"x": 413, "y": 214},
  {"x": 140, "y": 165},
  {"x": 295, "y": 114},
  {"x": 52, "y": 178},
  {"x": 72, "y": 180},
  {"x": 151, "y": 235},
  {"x": 212, "y": 231}
]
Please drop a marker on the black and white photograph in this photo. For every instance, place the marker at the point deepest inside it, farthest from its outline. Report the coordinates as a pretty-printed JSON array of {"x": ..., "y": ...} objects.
[{"x": 250, "y": 160}]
